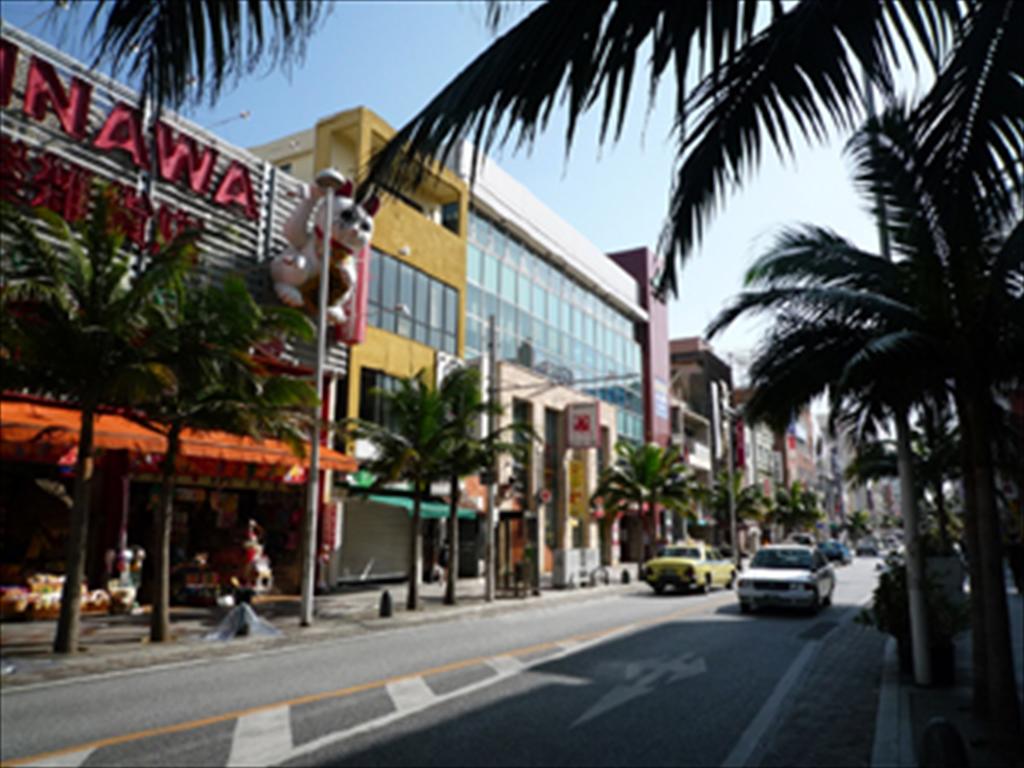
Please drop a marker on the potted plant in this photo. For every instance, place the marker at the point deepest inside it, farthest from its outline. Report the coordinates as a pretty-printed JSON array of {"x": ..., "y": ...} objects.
[{"x": 890, "y": 613}]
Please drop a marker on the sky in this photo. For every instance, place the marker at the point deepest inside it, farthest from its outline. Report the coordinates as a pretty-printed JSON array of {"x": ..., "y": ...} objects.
[{"x": 394, "y": 56}]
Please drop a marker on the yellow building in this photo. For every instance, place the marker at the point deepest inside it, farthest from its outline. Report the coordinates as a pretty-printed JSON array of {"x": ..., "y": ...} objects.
[{"x": 416, "y": 305}]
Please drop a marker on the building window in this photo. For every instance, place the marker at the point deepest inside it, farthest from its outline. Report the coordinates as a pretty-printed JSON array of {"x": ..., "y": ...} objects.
[
  {"x": 286, "y": 167},
  {"x": 372, "y": 406},
  {"x": 410, "y": 303}
]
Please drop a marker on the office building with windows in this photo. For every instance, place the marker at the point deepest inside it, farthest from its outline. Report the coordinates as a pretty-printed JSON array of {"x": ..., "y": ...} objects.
[{"x": 415, "y": 310}]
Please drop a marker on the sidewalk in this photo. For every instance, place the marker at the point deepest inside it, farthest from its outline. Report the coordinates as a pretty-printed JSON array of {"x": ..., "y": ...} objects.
[
  {"x": 114, "y": 643},
  {"x": 905, "y": 710}
]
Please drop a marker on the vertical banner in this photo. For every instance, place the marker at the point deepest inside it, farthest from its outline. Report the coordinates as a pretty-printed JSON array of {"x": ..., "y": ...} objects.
[
  {"x": 584, "y": 427},
  {"x": 578, "y": 489},
  {"x": 353, "y": 330}
]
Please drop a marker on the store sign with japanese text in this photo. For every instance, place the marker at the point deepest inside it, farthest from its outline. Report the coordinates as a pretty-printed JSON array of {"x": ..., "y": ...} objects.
[
  {"x": 578, "y": 501},
  {"x": 584, "y": 425},
  {"x": 65, "y": 128}
]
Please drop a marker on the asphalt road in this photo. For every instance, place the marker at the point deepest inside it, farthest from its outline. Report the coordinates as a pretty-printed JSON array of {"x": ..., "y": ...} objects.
[{"x": 628, "y": 679}]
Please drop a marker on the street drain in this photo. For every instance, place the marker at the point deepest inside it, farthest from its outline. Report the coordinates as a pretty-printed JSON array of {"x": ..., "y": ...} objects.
[{"x": 818, "y": 631}]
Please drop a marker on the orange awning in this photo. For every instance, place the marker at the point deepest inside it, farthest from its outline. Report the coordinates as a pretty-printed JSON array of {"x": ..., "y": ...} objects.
[{"x": 35, "y": 423}]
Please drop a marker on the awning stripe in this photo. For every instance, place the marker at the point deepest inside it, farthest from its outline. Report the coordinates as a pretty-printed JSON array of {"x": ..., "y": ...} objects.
[{"x": 27, "y": 422}]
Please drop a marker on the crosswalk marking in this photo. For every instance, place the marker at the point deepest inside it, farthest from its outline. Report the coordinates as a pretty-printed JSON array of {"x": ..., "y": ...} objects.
[
  {"x": 262, "y": 738},
  {"x": 410, "y": 693},
  {"x": 505, "y": 664}
]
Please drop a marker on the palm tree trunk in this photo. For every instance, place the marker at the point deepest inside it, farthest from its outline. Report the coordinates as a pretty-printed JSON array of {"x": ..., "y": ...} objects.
[
  {"x": 453, "y": 543},
  {"x": 412, "y": 598},
  {"x": 160, "y": 618},
  {"x": 979, "y": 659},
  {"x": 69, "y": 622},
  {"x": 915, "y": 559},
  {"x": 1004, "y": 705}
]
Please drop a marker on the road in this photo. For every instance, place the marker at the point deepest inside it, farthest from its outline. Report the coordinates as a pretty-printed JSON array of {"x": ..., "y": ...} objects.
[{"x": 628, "y": 679}]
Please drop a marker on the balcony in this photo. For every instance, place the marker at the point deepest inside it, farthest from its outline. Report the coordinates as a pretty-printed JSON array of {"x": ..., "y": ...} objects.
[{"x": 698, "y": 454}]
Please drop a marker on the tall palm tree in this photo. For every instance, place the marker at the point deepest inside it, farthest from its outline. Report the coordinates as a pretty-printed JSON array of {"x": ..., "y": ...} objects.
[
  {"x": 644, "y": 479},
  {"x": 413, "y": 447},
  {"x": 795, "y": 508},
  {"x": 766, "y": 75},
  {"x": 205, "y": 334},
  {"x": 183, "y": 52},
  {"x": 886, "y": 335},
  {"x": 75, "y": 327},
  {"x": 467, "y": 452},
  {"x": 749, "y": 501}
]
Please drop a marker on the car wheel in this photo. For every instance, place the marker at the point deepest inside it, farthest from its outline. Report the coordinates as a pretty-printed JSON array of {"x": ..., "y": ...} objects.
[
  {"x": 705, "y": 586},
  {"x": 659, "y": 588},
  {"x": 745, "y": 607}
]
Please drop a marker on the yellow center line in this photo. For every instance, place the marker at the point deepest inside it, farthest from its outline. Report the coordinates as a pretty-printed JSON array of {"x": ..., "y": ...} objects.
[{"x": 164, "y": 730}]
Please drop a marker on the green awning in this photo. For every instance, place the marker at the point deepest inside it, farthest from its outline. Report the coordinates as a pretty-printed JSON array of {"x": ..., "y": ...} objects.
[{"x": 429, "y": 510}]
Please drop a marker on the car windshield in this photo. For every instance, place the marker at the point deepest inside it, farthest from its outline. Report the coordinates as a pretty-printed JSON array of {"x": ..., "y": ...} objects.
[
  {"x": 782, "y": 558},
  {"x": 681, "y": 552}
]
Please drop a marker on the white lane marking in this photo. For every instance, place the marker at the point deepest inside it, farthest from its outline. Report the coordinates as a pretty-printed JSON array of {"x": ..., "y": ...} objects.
[
  {"x": 262, "y": 738},
  {"x": 68, "y": 760},
  {"x": 744, "y": 748},
  {"x": 413, "y": 693},
  {"x": 567, "y": 645},
  {"x": 507, "y": 664}
]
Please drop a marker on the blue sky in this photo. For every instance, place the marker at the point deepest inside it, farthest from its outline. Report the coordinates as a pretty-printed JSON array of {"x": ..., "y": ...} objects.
[{"x": 393, "y": 56}]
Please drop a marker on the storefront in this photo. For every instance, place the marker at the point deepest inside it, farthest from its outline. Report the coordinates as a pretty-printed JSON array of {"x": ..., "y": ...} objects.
[{"x": 228, "y": 487}]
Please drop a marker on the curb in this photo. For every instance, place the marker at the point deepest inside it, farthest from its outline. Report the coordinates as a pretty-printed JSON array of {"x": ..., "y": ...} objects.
[
  {"x": 893, "y": 733},
  {"x": 48, "y": 669}
]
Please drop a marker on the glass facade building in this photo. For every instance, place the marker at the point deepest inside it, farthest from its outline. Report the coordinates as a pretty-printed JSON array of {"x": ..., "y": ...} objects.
[{"x": 547, "y": 321}]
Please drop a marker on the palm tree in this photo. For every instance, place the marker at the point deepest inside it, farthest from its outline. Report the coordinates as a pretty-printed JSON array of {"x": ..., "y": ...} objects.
[
  {"x": 795, "y": 508},
  {"x": 466, "y": 453},
  {"x": 885, "y": 335},
  {"x": 644, "y": 478},
  {"x": 858, "y": 525},
  {"x": 205, "y": 334},
  {"x": 749, "y": 500},
  {"x": 77, "y": 296},
  {"x": 413, "y": 447},
  {"x": 181, "y": 53},
  {"x": 765, "y": 73}
]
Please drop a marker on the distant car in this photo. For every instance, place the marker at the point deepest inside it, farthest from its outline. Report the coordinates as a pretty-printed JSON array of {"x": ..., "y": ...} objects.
[
  {"x": 692, "y": 565},
  {"x": 787, "y": 575},
  {"x": 867, "y": 548},
  {"x": 835, "y": 551}
]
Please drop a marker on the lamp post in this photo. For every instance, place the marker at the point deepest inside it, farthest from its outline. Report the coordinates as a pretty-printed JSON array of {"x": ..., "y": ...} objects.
[{"x": 329, "y": 180}]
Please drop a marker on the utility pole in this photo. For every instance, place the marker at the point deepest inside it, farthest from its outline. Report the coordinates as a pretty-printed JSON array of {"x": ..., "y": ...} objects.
[
  {"x": 492, "y": 418},
  {"x": 328, "y": 180},
  {"x": 727, "y": 411}
]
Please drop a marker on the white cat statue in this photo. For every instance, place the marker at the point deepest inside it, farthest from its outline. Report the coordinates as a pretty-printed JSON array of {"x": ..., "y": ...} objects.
[{"x": 296, "y": 271}]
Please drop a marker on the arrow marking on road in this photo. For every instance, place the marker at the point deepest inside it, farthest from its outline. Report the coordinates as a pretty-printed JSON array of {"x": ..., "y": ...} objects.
[{"x": 643, "y": 676}]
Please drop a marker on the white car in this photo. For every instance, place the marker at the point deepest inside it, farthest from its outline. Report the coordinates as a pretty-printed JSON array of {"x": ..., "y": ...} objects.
[{"x": 787, "y": 575}]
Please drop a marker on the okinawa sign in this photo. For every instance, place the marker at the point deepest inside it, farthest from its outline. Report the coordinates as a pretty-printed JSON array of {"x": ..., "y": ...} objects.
[{"x": 66, "y": 127}]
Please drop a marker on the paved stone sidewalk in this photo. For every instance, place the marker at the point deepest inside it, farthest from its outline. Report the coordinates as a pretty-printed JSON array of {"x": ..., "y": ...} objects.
[
  {"x": 112, "y": 643},
  {"x": 831, "y": 717}
]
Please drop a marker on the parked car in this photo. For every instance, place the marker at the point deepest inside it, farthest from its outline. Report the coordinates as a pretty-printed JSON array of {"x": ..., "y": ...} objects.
[
  {"x": 867, "y": 548},
  {"x": 787, "y": 575},
  {"x": 835, "y": 551},
  {"x": 686, "y": 566}
]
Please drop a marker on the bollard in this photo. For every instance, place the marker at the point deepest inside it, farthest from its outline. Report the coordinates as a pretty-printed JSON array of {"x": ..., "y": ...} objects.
[
  {"x": 385, "y": 604},
  {"x": 626, "y": 577},
  {"x": 942, "y": 746}
]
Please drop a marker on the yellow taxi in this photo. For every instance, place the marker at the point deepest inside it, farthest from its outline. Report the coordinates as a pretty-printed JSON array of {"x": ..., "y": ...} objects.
[{"x": 689, "y": 565}]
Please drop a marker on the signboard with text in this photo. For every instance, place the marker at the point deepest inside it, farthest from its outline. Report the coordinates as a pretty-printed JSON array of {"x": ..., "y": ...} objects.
[{"x": 584, "y": 425}]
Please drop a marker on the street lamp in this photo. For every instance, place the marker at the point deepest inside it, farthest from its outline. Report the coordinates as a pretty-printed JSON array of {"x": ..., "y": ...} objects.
[{"x": 328, "y": 180}]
